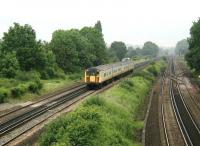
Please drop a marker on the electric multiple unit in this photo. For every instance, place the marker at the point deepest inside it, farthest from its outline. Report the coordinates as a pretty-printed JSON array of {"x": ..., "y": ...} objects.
[{"x": 102, "y": 73}]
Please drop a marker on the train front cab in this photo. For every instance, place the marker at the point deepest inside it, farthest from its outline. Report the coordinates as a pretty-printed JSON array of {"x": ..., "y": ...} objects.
[{"x": 92, "y": 78}]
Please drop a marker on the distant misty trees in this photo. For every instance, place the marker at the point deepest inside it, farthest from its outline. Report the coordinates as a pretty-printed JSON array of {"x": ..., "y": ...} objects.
[
  {"x": 182, "y": 47},
  {"x": 118, "y": 50}
]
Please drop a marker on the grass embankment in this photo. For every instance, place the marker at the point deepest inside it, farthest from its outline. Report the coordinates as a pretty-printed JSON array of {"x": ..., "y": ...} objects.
[
  {"x": 108, "y": 119},
  {"x": 29, "y": 86}
]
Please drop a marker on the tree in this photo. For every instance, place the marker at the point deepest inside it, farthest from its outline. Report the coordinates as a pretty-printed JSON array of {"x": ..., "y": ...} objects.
[
  {"x": 32, "y": 58},
  {"x": 18, "y": 37},
  {"x": 182, "y": 47},
  {"x": 131, "y": 52},
  {"x": 150, "y": 49},
  {"x": 8, "y": 65},
  {"x": 119, "y": 48},
  {"x": 98, "y": 46},
  {"x": 98, "y": 27},
  {"x": 65, "y": 50},
  {"x": 193, "y": 56}
]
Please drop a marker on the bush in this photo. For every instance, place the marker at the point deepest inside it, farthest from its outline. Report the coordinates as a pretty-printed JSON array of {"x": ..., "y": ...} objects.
[
  {"x": 44, "y": 75},
  {"x": 52, "y": 72},
  {"x": 3, "y": 94},
  {"x": 76, "y": 76},
  {"x": 35, "y": 86},
  {"x": 152, "y": 69},
  {"x": 97, "y": 100},
  {"x": 127, "y": 84},
  {"x": 9, "y": 65},
  {"x": 19, "y": 90},
  {"x": 82, "y": 126},
  {"x": 28, "y": 76}
]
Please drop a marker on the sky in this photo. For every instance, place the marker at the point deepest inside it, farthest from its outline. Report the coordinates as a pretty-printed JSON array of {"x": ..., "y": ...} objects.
[{"x": 163, "y": 22}]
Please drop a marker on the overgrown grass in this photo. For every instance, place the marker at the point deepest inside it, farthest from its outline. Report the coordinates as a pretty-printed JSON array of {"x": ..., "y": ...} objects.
[
  {"x": 29, "y": 86},
  {"x": 108, "y": 119}
]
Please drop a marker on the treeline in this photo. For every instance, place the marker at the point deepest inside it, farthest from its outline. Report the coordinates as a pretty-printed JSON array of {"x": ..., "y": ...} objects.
[
  {"x": 68, "y": 51},
  {"x": 119, "y": 50},
  {"x": 193, "y": 56},
  {"x": 26, "y": 60}
]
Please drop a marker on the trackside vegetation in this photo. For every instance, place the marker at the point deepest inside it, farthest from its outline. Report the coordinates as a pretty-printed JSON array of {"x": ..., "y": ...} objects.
[
  {"x": 26, "y": 63},
  {"x": 107, "y": 119}
]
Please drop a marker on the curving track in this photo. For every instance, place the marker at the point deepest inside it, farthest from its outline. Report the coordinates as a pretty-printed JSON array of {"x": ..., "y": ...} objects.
[
  {"x": 16, "y": 122},
  {"x": 177, "y": 126}
]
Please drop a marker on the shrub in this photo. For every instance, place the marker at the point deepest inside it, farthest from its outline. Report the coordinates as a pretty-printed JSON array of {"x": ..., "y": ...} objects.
[
  {"x": 82, "y": 126},
  {"x": 9, "y": 65},
  {"x": 28, "y": 76},
  {"x": 127, "y": 84},
  {"x": 152, "y": 69},
  {"x": 44, "y": 75},
  {"x": 3, "y": 94},
  {"x": 19, "y": 90},
  {"x": 52, "y": 72},
  {"x": 76, "y": 76},
  {"x": 97, "y": 100},
  {"x": 35, "y": 86}
]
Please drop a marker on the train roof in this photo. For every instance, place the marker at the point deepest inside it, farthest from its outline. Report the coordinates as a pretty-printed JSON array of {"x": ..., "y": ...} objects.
[{"x": 107, "y": 66}]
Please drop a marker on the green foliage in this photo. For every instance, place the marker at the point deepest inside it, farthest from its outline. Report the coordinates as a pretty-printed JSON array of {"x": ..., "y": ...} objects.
[
  {"x": 107, "y": 119},
  {"x": 97, "y": 101},
  {"x": 131, "y": 52},
  {"x": 193, "y": 56},
  {"x": 127, "y": 84},
  {"x": 27, "y": 76},
  {"x": 150, "y": 49},
  {"x": 98, "y": 26},
  {"x": 3, "y": 94},
  {"x": 19, "y": 37},
  {"x": 76, "y": 50},
  {"x": 119, "y": 49},
  {"x": 82, "y": 125},
  {"x": 32, "y": 58},
  {"x": 35, "y": 86},
  {"x": 98, "y": 46},
  {"x": 64, "y": 50},
  {"x": 19, "y": 90},
  {"x": 8, "y": 65},
  {"x": 182, "y": 47}
]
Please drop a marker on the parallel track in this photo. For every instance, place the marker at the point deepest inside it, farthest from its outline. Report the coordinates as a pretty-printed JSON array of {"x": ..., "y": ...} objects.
[
  {"x": 43, "y": 99},
  {"x": 19, "y": 120},
  {"x": 188, "y": 126},
  {"x": 10, "y": 125}
]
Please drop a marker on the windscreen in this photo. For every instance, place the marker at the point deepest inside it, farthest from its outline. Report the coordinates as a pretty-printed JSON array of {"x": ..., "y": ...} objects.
[{"x": 92, "y": 72}]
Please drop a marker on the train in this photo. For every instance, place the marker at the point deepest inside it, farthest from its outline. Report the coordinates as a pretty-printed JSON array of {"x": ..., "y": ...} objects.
[{"x": 99, "y": 75}]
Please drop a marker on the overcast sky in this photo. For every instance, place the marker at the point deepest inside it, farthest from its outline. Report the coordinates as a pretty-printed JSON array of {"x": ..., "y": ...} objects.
[{"x": 132, "y": 21}]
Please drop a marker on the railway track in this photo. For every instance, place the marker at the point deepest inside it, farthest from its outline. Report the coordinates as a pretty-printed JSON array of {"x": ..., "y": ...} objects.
[
  {"x": 177, "y": 125},
  {"x": 189, "y": 97},
  {"x": 190, "y": 129},
  {"x": 14, "y": 123},
  {"x": 43, "y": 99},
  {"x": 67, "y": 100}
]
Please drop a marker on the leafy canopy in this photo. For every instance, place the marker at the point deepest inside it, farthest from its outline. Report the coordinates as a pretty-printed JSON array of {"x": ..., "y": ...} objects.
[
  {"x": 119, "y": 49},
  {"x": 193, "y": 56}
]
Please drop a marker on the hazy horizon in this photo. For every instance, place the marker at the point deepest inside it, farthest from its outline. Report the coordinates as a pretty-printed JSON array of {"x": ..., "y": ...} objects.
[{"x": 133, "y": 22}]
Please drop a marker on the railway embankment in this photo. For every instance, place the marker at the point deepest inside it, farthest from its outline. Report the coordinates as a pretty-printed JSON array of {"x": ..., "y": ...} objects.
[{"x": 115, "y": 117}]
